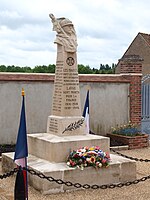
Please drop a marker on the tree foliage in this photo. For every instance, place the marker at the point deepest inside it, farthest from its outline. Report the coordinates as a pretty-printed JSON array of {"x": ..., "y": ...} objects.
[{"x": 103, "y": 69}]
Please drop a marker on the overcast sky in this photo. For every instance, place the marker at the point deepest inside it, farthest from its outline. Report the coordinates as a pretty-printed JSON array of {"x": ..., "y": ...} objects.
[{"x": 104, "y": 28}]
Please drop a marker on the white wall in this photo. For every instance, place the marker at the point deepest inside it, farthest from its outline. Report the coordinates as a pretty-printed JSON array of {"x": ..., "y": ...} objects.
[
  {"x": 38, "y": 97},
  {"x": 108, "y": 106}
]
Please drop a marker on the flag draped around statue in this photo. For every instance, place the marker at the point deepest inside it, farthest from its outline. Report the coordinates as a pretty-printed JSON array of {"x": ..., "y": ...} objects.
[
  {"x": 86, "y": 113},
  {"x": 20, "y": 157}
]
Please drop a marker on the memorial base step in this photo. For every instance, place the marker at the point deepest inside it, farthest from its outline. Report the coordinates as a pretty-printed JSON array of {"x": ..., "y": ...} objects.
[
  {"x": 56, "y": 149},
  {"x": 120, "y": 170}
]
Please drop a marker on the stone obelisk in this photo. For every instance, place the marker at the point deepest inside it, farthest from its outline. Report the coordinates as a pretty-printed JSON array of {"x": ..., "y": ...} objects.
[{"x": 66, "y": 118}]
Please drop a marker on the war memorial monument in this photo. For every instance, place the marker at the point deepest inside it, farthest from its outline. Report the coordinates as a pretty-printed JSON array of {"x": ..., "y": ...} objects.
[{"x": 66, "y": 130}]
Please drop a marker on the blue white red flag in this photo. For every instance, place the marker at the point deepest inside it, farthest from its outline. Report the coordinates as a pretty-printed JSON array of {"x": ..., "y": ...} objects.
[
  {"x": 86, "y": 113},
  {"x": 21, "y": 151}
]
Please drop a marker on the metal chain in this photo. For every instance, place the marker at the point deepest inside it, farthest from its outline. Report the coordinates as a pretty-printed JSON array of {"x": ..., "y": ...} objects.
[
  {"x": 76, "y": 185},
  {"x": 85, "y": 186},
  {"x": 8, "y": 174},
  {"x": 131, "y": 158}
]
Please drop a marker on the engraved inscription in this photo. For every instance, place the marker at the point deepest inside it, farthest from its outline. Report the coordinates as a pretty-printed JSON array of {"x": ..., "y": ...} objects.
[
  {"x": 53, "y": 125},
  {"x": 66, "y": 96},
  {"x": 71, "y": 89}
]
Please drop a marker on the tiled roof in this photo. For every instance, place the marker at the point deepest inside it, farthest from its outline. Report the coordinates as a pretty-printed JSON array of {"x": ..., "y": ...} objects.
[{"x": 146, "y": 37}]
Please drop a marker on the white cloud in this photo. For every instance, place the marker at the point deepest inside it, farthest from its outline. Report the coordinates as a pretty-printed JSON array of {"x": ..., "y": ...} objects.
[{"x": 104, "y": 29}]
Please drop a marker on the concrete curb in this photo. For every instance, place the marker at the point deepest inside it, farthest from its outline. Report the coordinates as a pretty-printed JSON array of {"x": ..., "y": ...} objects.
[{"x": 125, "y": 147}]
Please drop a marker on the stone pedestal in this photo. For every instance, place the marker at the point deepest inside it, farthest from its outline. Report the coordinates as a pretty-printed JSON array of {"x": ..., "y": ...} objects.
[
  {"x": 120, "y": 170},
  {"x": 65, "y": 125},
  {"x": 48, "y": 154},
  {"x": 56, "y": 149}
]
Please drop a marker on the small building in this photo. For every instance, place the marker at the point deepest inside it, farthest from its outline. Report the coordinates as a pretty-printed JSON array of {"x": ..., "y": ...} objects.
[{"x": 140, "y": 46}]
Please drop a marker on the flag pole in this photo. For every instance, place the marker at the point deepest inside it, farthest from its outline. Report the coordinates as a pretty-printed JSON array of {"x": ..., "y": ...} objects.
[
  {"x": 20, "y": 157},
  {"x": 24, "y": 171}
]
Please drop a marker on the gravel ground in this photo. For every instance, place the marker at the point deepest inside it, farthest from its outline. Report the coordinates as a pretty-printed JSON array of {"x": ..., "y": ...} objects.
[{"x": 140, "y": 191}]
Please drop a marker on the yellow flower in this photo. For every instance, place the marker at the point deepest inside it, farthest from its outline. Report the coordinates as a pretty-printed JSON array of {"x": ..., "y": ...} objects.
[
  {"x": 91, "y": 148},
  {"x": 85, "y": 154}
]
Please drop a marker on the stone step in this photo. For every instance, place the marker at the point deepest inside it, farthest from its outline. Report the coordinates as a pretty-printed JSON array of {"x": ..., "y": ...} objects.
[
  {"x": 120, "y": 170},
  {"x": 56, "y": 149}
]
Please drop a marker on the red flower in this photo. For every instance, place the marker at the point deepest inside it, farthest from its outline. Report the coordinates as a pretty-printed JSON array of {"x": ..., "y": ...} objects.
[
  {"x": 104, "y": 161},
  {"x": 72, "y": 163},
  {"x": 97, "y": 148}
]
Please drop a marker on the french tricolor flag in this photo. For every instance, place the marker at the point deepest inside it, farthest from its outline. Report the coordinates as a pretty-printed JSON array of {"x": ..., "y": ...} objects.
[
  {"x": 20, "y": 157},
  {"x": 86, "y": 113}
]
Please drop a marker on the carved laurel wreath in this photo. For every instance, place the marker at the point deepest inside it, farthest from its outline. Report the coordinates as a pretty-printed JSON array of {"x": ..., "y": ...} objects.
[{"x": 74, "y": 125}]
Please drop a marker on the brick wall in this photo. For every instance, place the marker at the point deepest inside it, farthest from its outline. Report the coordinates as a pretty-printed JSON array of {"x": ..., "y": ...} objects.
[
  {"x": 131, "y": 67},
  {"x": 133, "y": 142}
]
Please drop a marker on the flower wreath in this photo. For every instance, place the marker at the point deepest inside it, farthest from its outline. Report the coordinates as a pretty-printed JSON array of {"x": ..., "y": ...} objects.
[{"x": 85, "y": 157}]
